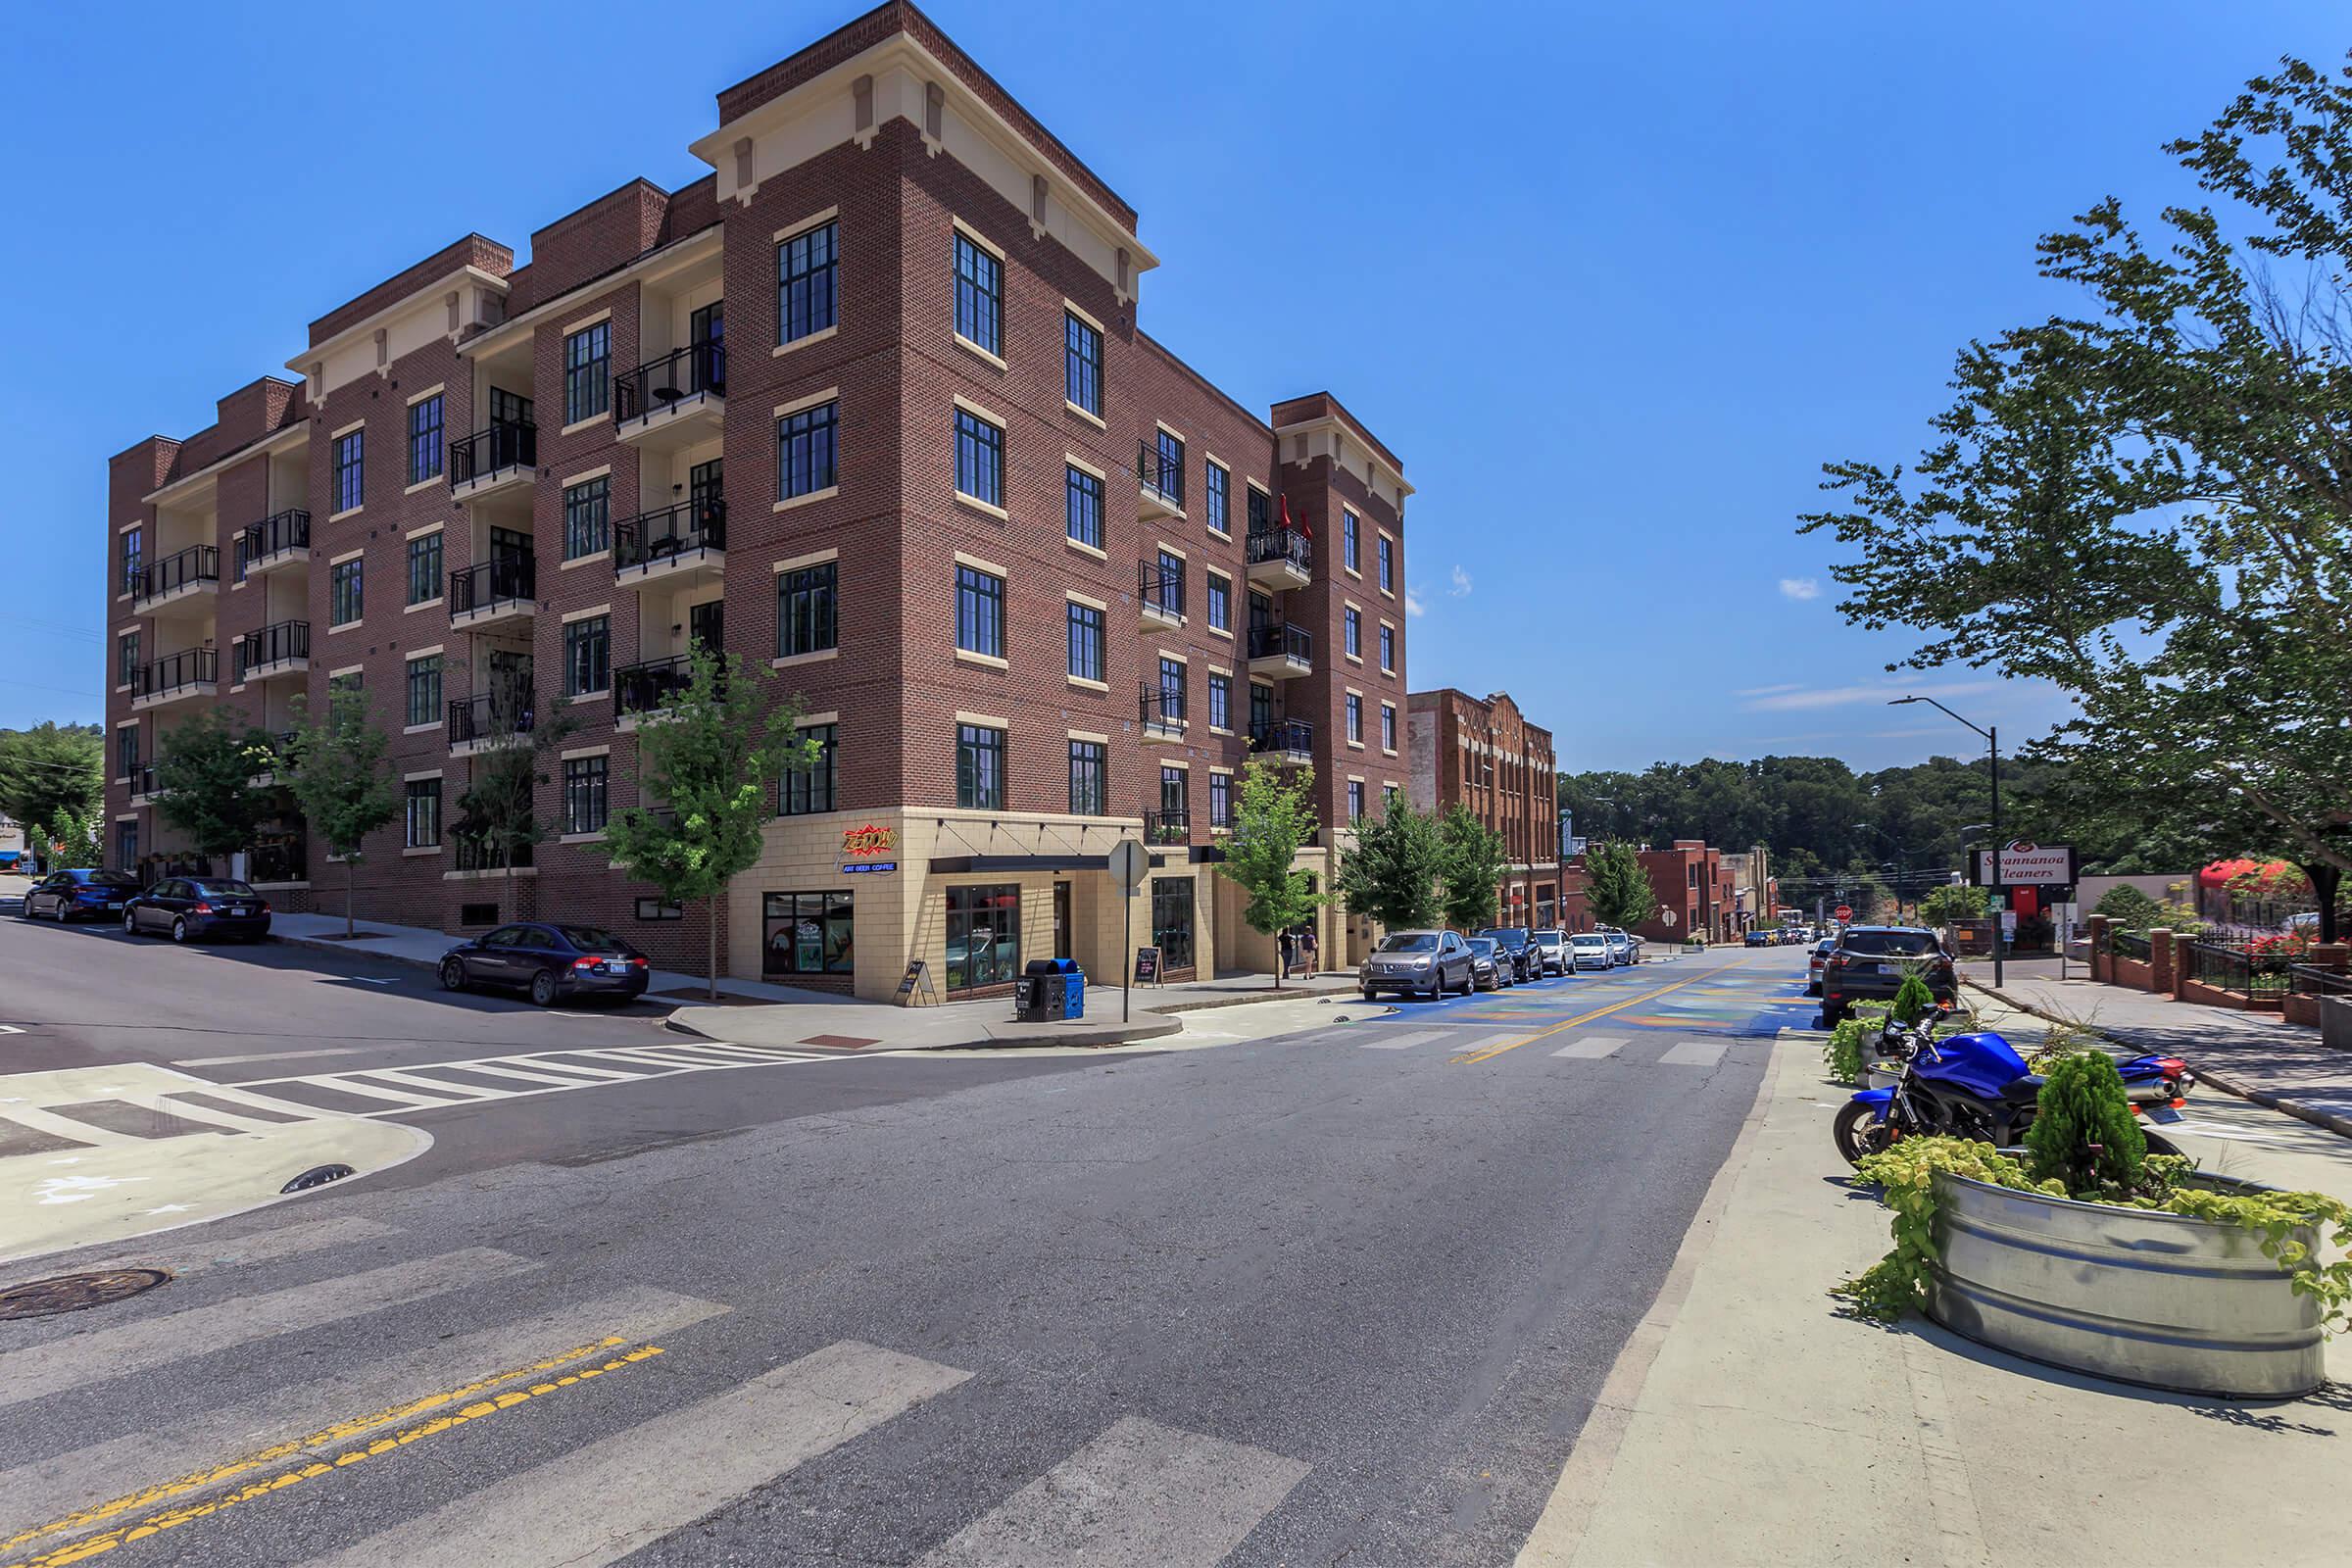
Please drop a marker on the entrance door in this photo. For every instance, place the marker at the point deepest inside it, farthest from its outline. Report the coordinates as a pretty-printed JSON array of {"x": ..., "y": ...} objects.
[
  {"x": 509, "y": 689},
  {"x": 703, "y": 624},
  {"x": 1061, "y": 920}
]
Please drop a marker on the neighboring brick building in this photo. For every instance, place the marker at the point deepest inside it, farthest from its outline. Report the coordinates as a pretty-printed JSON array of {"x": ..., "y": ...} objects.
[
  {"x": 1483, "y": 753},
  {"x": 868, "y": 406},
  {"x": 1695, "y": 893}
]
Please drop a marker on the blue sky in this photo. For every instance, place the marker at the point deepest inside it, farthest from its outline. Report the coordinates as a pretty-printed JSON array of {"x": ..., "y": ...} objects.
[{"x": 1613, "y": 280}]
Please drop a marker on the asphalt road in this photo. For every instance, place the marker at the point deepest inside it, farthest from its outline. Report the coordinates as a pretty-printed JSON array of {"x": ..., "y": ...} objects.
[{"x": 1343, "y": 1296}]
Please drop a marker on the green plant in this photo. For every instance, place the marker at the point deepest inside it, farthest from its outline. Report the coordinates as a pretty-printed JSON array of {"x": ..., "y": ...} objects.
[
  {"x": 205, "y": 770},
  {"x": 2129, "y": 908},
  {"x": 341, "y": 778},
  {"x": 1955, "y": 902},
  {"x": 1472, "y": 861},
  {"x": 1391, "y": 872},
  {"x": 1905, "y": 1174},
  {"x": 1616, "y": 887},
  {"x": 1912, "y": 999},
  {"x": 1843, "y": 1053},
  {"x": 2084, "y": 1135},
  {"x": 1274, "y": 815}
]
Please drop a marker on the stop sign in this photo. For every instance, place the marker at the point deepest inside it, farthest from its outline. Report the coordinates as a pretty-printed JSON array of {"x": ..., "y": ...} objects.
[{"x": 1844, "y": 911}]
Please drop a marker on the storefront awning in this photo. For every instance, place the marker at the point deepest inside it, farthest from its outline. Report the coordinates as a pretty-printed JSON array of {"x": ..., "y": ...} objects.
[{"x": 963, "y": 864}]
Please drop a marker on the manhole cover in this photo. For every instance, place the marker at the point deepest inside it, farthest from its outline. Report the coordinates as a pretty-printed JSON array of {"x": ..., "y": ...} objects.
[{"x": 71, "y": 1293}]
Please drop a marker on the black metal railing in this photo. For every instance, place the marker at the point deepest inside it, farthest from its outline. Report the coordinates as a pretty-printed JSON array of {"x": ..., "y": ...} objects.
[
  {"x": 2227, "y": 968},
  {"x": 1286, "y": 641},
  {"x": 493, "y": 715},
  {"x": 1160, "y": 710},
  {"x": 2130, "y": 944},
  {"x": 1160, "y": 587},
  {"x": 1160, "y": 473},
  {"x": 279, "y": 750},
  {"x": 497, "y": 580},
  {"x": 1283, "y": 544},
  {"x": 506, "y": 444},
  {"x": 1284, "y": 736},
  {"x": 653, "y": 684},
  {"x": 273, "y": 644},
  {"x": 2310, "y": 980},
  {"x": 142, "y": 781},
  {"x": 654, "y": 536},
  {"x": 188, "y": 667},
  {"x": 194, "y": 565},
  {"x": 284, "y": 859},
  {"x": 672, "y": 379},
  {"x": 474, "y": 853},
  {"x": 281, "y": 531},
  {"x": 1168, "y": 827}
]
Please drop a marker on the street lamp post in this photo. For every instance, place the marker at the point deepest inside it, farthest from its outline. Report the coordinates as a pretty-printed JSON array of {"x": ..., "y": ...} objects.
[{"x": 1992, "y": 740}]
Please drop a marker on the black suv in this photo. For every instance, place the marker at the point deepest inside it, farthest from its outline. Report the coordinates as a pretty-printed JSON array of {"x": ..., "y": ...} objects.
[
  {"x": 1516, "y": 946},
  {"x": 1870, "y": 962}
]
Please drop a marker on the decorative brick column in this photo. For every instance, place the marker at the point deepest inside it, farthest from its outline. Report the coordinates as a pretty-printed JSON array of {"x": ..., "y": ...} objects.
[
  {"x": 2102, "y": 964},
  {"x": 2336, "y": 955},
  {"x": 2164, "y": 964}
]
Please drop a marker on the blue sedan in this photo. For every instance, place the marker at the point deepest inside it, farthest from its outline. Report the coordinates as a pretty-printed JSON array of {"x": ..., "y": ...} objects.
[
  {"x": 79, "y": 895},
  {"x": 189, "y": 907},
  {"x": 551, "y": 960}
]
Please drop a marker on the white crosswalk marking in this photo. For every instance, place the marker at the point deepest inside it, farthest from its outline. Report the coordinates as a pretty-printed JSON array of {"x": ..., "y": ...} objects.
[
  {"x": 33, "y": 1494},
  {"x": 144, "y": 1343},
  {"x": 427, "y": 1086},
  {"x": 1592, "y": 1048},
  {"x": 1694, "y": 1053},
  {"x": 286, "y": 1241},
  {"x": 1141, "y": 1496},
  {"x": 599, "y": 1503},
  {"x": 1405, "y": 1042}
]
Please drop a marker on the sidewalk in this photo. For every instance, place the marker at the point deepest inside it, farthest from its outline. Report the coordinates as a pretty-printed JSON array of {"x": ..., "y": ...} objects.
[
  {"x": 1746, "y": 1422},
  {"x": 2254, "y": 1055}
]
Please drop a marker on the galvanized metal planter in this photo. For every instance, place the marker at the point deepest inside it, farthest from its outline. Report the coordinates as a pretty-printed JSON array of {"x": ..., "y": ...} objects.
[{"x": 2167, "y": 1300}]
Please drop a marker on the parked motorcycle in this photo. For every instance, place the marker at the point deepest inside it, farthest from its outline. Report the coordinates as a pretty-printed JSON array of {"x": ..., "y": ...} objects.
[{"x": 1975, "y": 1086}]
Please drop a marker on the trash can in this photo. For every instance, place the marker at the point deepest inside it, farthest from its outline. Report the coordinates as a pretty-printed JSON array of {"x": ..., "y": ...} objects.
[{"x": 1038, "y": 995}]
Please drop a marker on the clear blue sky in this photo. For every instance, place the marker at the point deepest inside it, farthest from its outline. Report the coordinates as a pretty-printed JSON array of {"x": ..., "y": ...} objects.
[{"x": 1614, "y": 280}]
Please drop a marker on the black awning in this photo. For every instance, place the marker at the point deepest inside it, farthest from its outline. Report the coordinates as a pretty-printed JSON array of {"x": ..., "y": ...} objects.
[{"x": 963, "y": 864}]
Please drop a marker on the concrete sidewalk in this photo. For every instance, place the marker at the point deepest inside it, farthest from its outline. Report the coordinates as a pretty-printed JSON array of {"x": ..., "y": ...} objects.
[
  {"x": 2255, "y": 1055},
  {"x": 1747, "y": 1422}
]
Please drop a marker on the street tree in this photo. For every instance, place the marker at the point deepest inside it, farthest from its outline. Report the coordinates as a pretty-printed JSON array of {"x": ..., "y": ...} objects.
[
  {"x": 1273, "y": 817},
  {"x": 1390, "y": 875},
  {"x": 2146, "y": 504},
  {"x": 1955, "y": 901},
  {"x": 499, "y": 820},
  {"x": 204, "y": 768},
  {"x": 1616, "y": 887},
  {"x": 713, "y": 758},
  {"x": 342, "y": 779},
  {"x": 1473, "y": 865},
  {"x": 49, "y": 774}
]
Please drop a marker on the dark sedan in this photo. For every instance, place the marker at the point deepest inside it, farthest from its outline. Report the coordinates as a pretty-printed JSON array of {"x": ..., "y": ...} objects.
[
  {"x": 1517, "y": 948},
  {"x": 190, "y": 908},
  {"x": 82, "y": 895},
  {"x": 551, "y": 960},
  {"x": 1870, "y": 963}
]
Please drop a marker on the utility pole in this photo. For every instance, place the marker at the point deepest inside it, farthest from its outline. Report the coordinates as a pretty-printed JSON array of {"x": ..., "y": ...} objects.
[{"x": 2000, "y": 939}]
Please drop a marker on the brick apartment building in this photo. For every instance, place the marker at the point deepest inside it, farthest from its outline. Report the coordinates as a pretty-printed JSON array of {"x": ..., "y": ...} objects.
[
  {"x": 1483, "y": 753},
  {"x": 1695, "y": 893},
  {"x": 869, "y": 407}
]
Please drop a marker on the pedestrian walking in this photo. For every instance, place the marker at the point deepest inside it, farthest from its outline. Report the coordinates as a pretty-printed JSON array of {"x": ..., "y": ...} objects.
[
  {"x": 1290, "y": 951},
  {"x": 1309, "y": 955}
]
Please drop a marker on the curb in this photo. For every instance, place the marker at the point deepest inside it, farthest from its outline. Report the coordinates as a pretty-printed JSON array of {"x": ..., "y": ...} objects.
[
  {"x": 330, "y": 945},
  {"x": 1149, "y": 1026}
]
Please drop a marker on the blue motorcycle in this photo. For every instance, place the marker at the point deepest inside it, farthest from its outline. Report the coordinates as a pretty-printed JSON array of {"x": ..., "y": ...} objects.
[{"x": 1975, "y": 1086}]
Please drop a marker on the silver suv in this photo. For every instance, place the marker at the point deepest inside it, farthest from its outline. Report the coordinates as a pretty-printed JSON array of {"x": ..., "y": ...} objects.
[{"x": 1426, "y": 963}]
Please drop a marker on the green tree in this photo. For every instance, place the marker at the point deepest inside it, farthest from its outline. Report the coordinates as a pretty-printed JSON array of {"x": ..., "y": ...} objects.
[
  {"x": 2130, "y": 909},
  {"x": 499, "y": 823},
  {"x": 1273, "y": 817},
  {"x": 1953, "y": 901},
  {"x": 71, "y": 840},
  {"x": 712, "y": 758},
  {"x": 50, "y": 773},
  {"x": 2083, "y": 1133},
  {"x": 1616, "y": 887},
  {"x": 1391, "y": 874},
  {"x": 1912, "y": 999},
  {"x": 1472, "y": 864},
  {"x": 204, "y": 768},
  {"x": 342, "y": 780}
]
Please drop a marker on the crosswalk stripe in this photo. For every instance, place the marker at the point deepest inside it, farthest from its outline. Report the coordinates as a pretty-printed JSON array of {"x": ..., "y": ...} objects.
[
  {"x": 1404, "y": 1041},
  {"x": 66, "y": 1127},
  {"x": 1592, "y": 1047},
  {"x": 447, "y": 1087},
  {"x": 1141, "y": 1496},
  {"x": 108, "y": 1480},
  {"x": 534, "y": 1075},
  {"x": 730, "y": 1049},
  {"x": 145, "y": 1344},
  {"x": 582, "y": 1069},
  {"x": 353, "y": 1083},
  {"x": 261, "y": 1247},
  {"x": 1694, "y": 1053},
  {"x": 677, "y": 1059},
  {"x": 602, "y": 1503}
]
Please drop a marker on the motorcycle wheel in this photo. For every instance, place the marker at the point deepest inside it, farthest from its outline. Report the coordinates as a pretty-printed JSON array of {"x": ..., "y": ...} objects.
[{"x": 1858, "y": 1131}]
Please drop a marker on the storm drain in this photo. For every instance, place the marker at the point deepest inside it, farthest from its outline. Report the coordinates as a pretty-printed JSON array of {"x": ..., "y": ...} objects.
[
  {"x": 316, "y": 1176},
  {"x": 72, "y": 1292}
]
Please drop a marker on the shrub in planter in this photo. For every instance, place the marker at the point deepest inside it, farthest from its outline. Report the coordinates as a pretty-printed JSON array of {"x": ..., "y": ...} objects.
[
  {"x": 1912, "y": 999},
  {"x": 2084, "y": 1136},
  {"x": 1843, "y": 1054}
]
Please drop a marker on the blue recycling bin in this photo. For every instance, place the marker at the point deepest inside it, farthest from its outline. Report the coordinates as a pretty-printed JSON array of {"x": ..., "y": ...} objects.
[{"x": 1073, "y": 995}]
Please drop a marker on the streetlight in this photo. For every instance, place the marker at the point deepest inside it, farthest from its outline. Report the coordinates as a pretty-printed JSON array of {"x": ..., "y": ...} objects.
[{"x": 1992, "y": 739}]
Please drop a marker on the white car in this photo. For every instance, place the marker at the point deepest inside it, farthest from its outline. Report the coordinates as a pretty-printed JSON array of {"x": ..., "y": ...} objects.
[
  {"x": 1590, "y": 949},
  {"x": 1551, "y": 948},
  {"x": 1623, "y": 947}
]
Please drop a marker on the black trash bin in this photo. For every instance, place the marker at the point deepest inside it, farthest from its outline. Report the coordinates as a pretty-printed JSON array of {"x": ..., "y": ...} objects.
[{"x": 1038, "y": 995}]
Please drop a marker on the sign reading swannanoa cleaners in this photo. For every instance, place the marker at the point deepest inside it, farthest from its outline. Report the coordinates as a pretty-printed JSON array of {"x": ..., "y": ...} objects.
[{"x": 2026, "y": 865}]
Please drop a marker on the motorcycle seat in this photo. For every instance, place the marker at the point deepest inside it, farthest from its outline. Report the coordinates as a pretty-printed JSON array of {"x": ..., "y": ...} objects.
[{"x": 2022, "y": 1091}]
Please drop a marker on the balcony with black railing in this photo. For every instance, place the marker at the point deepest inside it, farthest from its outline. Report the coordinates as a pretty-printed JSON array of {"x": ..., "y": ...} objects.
[
  {"x": 1159, "y": 712},
  {"x": 282, "y": 647},
  {"x": 274, "y": 758},
  {"x": 1160, "y": 474},
  {"x": 1281, "y": 558},
  {"x": 677, "y": 540},
  {"x": 1168, "y": 826},
  {"x": 1282, "y": 651},
  {"x": 652, "y": 685},
  {"x": 671, "y": 401},
  {"x": 191, "y": 672},
  {"x": 279, "y": 860},
  {"x": 487, "y": 461},
  {"x": 1159, "y": 594},
  {"x": 142, "y": 785},
  {"x": 181, "y": 575},
  {"x": 281, "y": 539},
  {"x": 494, "y": 719},
  {"x": 1285, "y": 740},
  {"x": 503, "y": 588}
]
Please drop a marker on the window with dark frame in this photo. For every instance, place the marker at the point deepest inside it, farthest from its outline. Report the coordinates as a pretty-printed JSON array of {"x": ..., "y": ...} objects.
[
  {"x": 983, "y": 937},
  {"x": 1352, "y": 631},
  {"x": 979, "y": 612},
  {"x": 1355, "y": 718},
  {"x": 808, "y": 282},
  {"x": 587, "y": 657},
  {"x": 979, "y": 767},
  {"x": 1262, "y": 511},
  {"x": 1171, "y": 689},
  {"x": 425, "y": 568},
  {"x": 1220, "y": 702},
  {"x": 424, "y": 690},
  {"x": 1388, "y": 726},
  {"x": 424, "y": 439},
  {"x": 1171, "y": 582},
  {"x": 588, "y": 518},
  {"x": 1172, "y": 921},
  {"x": 133, "y": 551},
  {"x": 1086, "y": 641},
  {"x": 1388, "y": 648},
  {"x": 1355, "y": 800},
  {"x": 127, "y": 751},
  {"x": 1090, "y": 790},
  {"x": 422, "y": 829},
  {"x": 126, "y": 657},
  {"x": 350, "y": 470},
  {"x": 1387, "y": 565},
  {"x": 585, "y": 793},
  {"x": 809, "y": 933},
  {"x": 807, "y": 610},
  {"x": 809, "y": 451},
  {"x": 588, "y": 372},
  {"x": 979, "y": 459},
  {"x": 1351, "y": 546},
  {"x": 979, "y": 295},
  {"x": 1082, "y": 373},
  {"x": 1220, "y": 601},
  {"x": 1220, "y": 800},
  {"x": 1085, "y": 507},
  {"x": 346, "y": 596},
  {"x": 1218, "y": 487},
  {"x": 802, "y": 792}
]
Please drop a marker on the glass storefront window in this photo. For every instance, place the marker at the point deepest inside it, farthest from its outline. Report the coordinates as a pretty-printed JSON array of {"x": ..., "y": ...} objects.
[
  {"x": 983, "y": 936},
  {"x": 807, "y": 933},
  {"x": 1172, "y": 921}
]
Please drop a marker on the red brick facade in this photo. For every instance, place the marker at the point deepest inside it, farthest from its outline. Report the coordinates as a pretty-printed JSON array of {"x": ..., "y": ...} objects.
[{"x": 1485, "y": 754}]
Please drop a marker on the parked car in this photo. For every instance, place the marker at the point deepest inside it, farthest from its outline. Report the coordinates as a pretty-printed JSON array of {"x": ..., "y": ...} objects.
[
  {"x": 1417, "y": 964},
  {"x": 78, "y": 895},
  {"x": 1624, "y": 947},
  {"x": 1551, "y": 948},
  {"x": 551, "y": 960},
  {"x": 1489, "y": 970},
  {"x": 189, "y": 908},
  {"x": 1589, "y": 950},
  {"x": 1518, "y": 945},
  {"x": 1821, "y": 956},
  {"x": 1869, "y": 961},
  {"x": 1761, "y": 938}
]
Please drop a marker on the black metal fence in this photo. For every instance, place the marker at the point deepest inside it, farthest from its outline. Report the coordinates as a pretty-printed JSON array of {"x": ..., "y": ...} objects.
[
  {"x": 2228, "y": 967},
  {"x": 653, "y": 537},
  {"x": 1288, "y": 641},
  {"x": 194, "y": 565},
  {"x": 490, "y": 717},
  {"x": 1283, "y": 544},
  {"x": 504, "y": 445},
  {"x": 1167, "y": 827},
  {"x": 501, "y": 578},
  {"x": 2310, "y": 980},
  {"x": 653, "y": 684},
  {"x": 187, "y": 667},
  {"x": 2130, "y": 944},
  {"x": 272, "y": 535},
  {"x": 669, "y": 380},
  {"x": 1160, "y": 587},
  {"x": 273, "y": 644},
  {"x": 1160, "y": 473},
  {"x": 1160, "y": 710},
  {"x": 1284, "y": 736}
]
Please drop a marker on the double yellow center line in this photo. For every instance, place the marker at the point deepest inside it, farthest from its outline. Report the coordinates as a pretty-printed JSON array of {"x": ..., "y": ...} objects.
[{"x": 1471, "y": 1058}]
